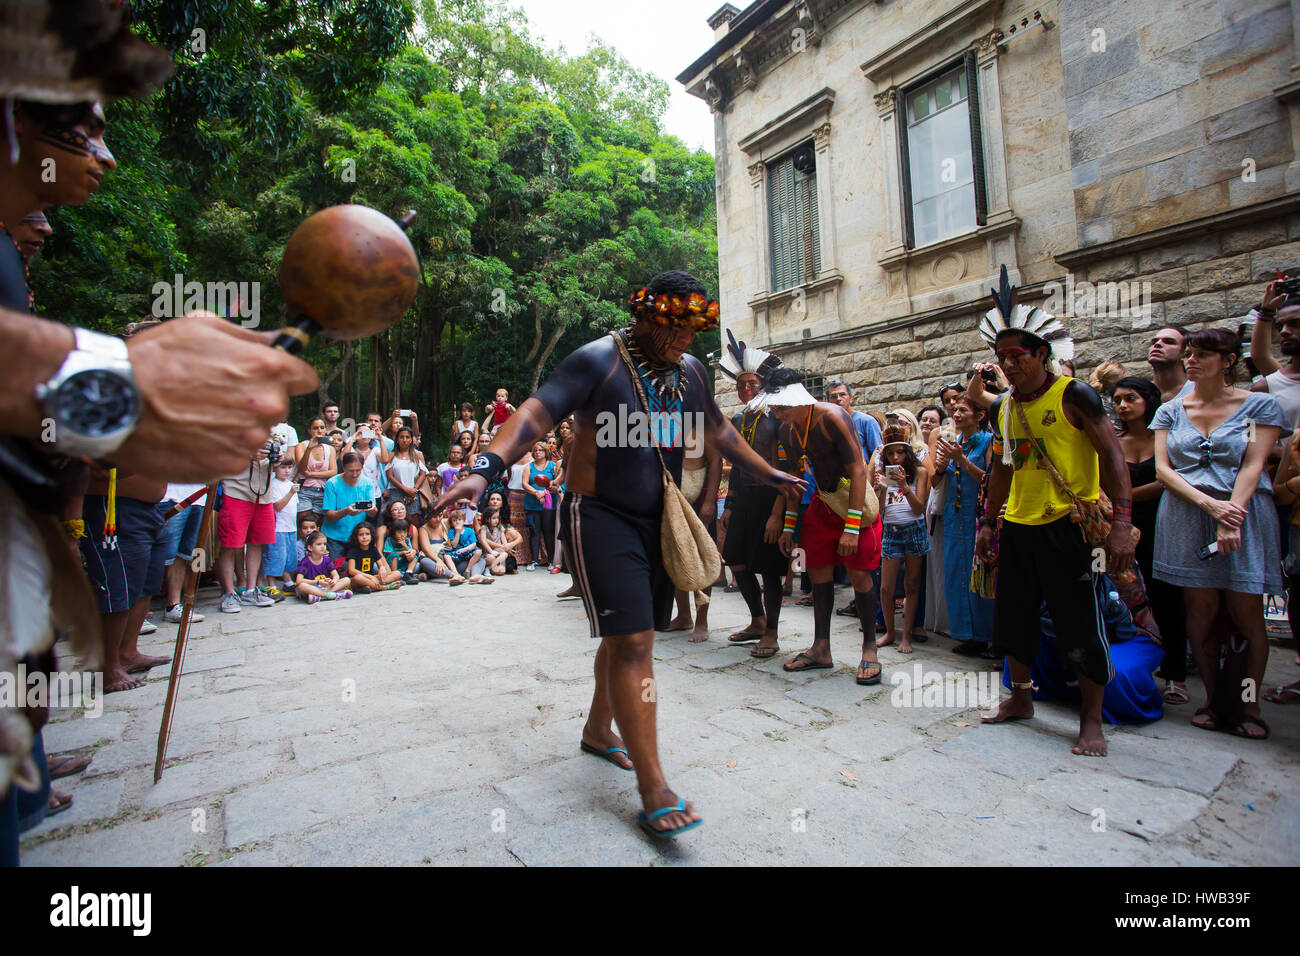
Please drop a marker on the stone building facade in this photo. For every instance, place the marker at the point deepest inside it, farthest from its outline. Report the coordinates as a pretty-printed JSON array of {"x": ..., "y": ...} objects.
[{"x": 1133, "y": 164}]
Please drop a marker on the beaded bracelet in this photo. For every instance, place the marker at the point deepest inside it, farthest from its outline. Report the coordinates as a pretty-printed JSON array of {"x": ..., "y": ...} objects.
[
  {"x": 791, "y": 517},
  {"x": 853, "y": 523}
]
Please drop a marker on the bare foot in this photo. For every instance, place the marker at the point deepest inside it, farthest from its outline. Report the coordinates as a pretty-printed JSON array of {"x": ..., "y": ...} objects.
[
  {"x": 885, "y": 641},
  {"x": 1015, "y": 707},
  {"x": 570, "y": 592},
  {"x": 679, "y": 623},
  {"x": 603, "y": 740},
  {"x": 905, "y": 646},
  {"x": 1091, "y": 742},
  {"x": 699, "y": 635},
  {"x": 669, "y": 821},
  {"x": 117, "y": 680},
  {"x": 142, "y": 662}
]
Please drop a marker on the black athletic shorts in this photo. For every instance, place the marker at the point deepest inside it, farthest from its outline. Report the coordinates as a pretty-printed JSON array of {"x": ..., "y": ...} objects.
[
  {"x": 1052, "y": 563},
  {"x": 616, "y": 562}
]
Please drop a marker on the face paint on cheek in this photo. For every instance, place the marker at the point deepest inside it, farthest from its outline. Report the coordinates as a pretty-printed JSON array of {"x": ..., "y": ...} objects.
[{"x": 67, "y": 139}]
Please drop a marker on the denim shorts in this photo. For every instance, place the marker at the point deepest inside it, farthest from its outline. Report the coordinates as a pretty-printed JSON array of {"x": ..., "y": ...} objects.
[
  {"x": 182, "y": 533},
  {"x": 908, "y": 538},
  {"x": 280, "y": 555}
]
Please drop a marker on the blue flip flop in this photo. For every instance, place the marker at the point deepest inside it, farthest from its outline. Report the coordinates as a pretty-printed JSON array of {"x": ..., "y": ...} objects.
[
  {"x": 606, "y": 754},
  {"x": 679, "y": 807}
]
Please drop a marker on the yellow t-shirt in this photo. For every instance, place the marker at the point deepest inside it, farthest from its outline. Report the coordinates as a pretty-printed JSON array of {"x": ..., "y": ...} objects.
[{"x": 1034, "y": 497}]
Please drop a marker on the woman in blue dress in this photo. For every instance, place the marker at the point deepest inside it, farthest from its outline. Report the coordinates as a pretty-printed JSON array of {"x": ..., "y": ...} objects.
[
  {"x": 1216, "y": 532},
  {"x": 970, "y": 617}
]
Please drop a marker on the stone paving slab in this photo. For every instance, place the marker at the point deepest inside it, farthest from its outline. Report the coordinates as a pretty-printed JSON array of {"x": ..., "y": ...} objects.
[
  {"x": 166, "y": 840},
  {"x": 92, "y": 800},
  {"x": 298, "y": 803},
  {"x": 1128, "y": 805},
  {"x": 444, "y": 737}
]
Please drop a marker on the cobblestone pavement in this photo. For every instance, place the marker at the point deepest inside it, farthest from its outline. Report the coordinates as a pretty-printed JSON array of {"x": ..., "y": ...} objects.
[{"x": 439, "y": 726}]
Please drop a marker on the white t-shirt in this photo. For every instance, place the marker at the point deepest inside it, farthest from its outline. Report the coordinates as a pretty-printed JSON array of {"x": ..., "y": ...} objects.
[
  {"x": 286, "y": 519},
  {"x": 179, "y": 493},
  {"x": 285, "y": 434},
  {"x": 1287, "y": 392}
]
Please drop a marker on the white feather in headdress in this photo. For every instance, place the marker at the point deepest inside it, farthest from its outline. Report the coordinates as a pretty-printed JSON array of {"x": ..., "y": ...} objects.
[{"x": 1006, "y": 314}]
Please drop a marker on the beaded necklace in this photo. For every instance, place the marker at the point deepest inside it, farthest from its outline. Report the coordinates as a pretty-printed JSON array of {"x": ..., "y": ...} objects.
[
  {"x": 1036, "y": 393},
  {"x": 668, "y": 394}
]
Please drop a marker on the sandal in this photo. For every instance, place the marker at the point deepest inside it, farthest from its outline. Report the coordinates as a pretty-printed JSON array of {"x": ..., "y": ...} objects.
[
  {"x": 58, "y": 803},
  {"x": 744, "y": 637},
  {"x": 1283, "y": 695},
  {"x": 1175, "y": 694},
  {"x": 66, "y": 766},
  {"x": 1211, "y": 724},
  {"x": 1240, "y": 729},
  {"x": 763, "y": 653},
  {"x": 804, "y": 602},
  {"x": 805, "y": 663},
  {"x": 874, "y": 678}
]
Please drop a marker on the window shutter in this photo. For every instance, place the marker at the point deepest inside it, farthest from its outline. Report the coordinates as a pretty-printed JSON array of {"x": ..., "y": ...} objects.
[
  {"x": 808, "y": 265},
  {"x": 976, "y": 137},
  {"x": 781, "y": 216},
  {"x": 904, "y": 165}
]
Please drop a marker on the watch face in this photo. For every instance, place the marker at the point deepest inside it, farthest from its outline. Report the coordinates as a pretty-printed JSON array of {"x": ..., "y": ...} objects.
[{"x": 96, "y": 403}]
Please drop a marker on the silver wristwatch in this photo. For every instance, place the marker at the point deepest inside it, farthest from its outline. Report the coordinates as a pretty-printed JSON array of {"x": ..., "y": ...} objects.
[{"x": 92, "y": 403}]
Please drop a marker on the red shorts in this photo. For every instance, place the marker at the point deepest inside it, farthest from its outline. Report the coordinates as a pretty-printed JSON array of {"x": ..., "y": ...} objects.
[
  {"x": 242, "y": 522},
  {"x": 819, "y": 536}
]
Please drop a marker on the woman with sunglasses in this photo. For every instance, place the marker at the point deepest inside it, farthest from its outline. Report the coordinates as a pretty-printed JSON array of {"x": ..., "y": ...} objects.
[{"x": 1216, "y": 532}]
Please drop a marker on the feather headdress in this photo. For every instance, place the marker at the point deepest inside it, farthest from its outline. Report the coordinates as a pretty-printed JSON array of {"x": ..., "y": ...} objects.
[
  {"x": 1007, "y": 314},
  {"x": 738, "y": 358}
]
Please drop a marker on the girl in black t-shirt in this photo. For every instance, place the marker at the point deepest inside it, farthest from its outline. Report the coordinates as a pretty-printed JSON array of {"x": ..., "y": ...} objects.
[{"x": 366, "y": 566}]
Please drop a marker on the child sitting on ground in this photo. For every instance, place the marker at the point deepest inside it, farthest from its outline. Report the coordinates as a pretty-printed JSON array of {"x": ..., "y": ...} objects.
[
  {"x": 398, "y": 549},
  {"x": 366, "y": 566},
  {"x": 317, "y": 579},
  {"x": 464, "y": 551}
]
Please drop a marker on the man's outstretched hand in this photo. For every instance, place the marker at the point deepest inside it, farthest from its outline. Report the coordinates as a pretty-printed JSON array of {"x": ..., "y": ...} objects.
[
  {"x": 470, "y": 487},
  {"x": 211, "y": 391}
]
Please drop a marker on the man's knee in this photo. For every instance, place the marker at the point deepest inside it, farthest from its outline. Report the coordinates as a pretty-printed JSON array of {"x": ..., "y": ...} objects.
[{"x": 630, "y": 648}]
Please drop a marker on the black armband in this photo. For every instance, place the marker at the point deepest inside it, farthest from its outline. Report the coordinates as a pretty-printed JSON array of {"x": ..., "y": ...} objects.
[{"x": 488, "y": 466}]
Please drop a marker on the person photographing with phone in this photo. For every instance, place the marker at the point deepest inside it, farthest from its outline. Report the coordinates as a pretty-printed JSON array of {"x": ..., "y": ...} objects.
[{"x": 349, "y": 500}]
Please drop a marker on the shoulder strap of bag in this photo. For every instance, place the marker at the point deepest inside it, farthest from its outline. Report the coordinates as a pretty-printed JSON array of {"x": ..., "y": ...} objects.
[{"x": 640, "y": 391}]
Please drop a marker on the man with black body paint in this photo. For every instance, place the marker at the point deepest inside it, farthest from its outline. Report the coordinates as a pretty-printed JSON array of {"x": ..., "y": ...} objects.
[{"x": 612, "y": 512}]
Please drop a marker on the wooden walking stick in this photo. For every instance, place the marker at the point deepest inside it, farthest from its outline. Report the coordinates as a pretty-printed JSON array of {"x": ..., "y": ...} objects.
[
  {"x": 178, "y": 652},
  {"x": 347, "y": 272}
]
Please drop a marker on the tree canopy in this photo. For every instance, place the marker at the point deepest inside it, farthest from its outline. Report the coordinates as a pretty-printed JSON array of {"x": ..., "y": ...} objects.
[{"x": 545, "y": 186}]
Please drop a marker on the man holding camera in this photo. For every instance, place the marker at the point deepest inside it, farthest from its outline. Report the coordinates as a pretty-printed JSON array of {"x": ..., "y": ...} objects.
[
  {"x": 349, "y": 500},
  {"x": 247, "y": 518}
]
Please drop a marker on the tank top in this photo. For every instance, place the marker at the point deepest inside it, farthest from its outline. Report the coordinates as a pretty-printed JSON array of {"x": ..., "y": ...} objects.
[
  {"x": 316, "y": 463},
  {"x": 406, "y": 470},
  {"x": 1034, "y": 498},
  {"x": 896, "y": 509},
  {"x": 463, "y": 426}
]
